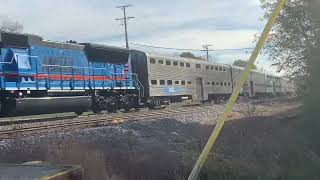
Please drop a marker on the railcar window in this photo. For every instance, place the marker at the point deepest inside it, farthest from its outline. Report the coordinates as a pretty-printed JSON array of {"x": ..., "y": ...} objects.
[
  {"x": 213, "y": 83},
  {"x": 169, "y": 82},
  {"x": 198, "y": 66},
  {"x": 162, "y": 82},
  {"x": 189, "y": 82},
  {"x": 229, "y": 84},
  {"x": 211, "y": 68},
  {"x": 221, "y": 83},
  {"x": 181, "y": 64},
  {"x": 216, "y": 68},
  {"x": 154, "y": 82},
  {"x": 217, "y": 83},
  {"x": 160, "y": 61},
  {"x": 168, "y": 63},
  {"x": 207, "y": 67},
  {"x": 187, "y": 65},
  {"x": 220, "y": 68},
  {"x": 175, "y": 63},
  {"x": 224, "y": 69},
  {"x": 152, "y": 61},
  {"x": 177, "y": 82},
  {"x": 225, "y": 84},
  {"x": 183, "y": 82},
  {"x": 208, "y": 83}
]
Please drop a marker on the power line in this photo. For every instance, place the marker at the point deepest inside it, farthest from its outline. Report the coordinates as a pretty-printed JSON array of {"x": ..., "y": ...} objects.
[
  {"x": 124, "y": 20},
  {"x": 186, "y": 49}
]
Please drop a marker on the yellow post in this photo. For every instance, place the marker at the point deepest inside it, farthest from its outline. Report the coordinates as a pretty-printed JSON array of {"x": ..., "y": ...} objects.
[{"x": 220, "y": 122}]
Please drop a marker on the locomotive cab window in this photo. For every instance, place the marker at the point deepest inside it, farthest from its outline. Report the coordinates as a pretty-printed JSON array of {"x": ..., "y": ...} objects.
[
  {"x": 216, "y": 68},
  {"x": 181, "y": 64},
  {"x": 183, "y": 82},
  {"x": 221, "y": 83},
  {"x": 220, "y": 68},
  {"x": 154, "y": 82},
  {"x": 168, "y": 63},
  {"x": 160, "y": 61},
  {"x": 189, "y": 82},
  {"x": 169, "y": 82},
  {"x": 198, "y": 66},
  {"x": 162, "y": 82},
  {"x": 175, "y": 63},
  {"x": 177, "y": 82},
  {"x": 187, "y": 65},
  {"x": 152, "y": 61},
  {"x": 224, "y": 69}
]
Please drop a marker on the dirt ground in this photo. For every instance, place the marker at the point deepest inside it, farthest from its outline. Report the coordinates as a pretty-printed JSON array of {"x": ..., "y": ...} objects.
[{"x": 257, "y": 141}]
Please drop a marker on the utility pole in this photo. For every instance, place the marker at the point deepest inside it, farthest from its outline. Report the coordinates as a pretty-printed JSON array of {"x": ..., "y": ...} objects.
[
  {"x": 124, "y": 21},
  {"x": 206, "y": 48}
]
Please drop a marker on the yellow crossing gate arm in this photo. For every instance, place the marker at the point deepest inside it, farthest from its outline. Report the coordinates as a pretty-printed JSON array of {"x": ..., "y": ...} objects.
[{"x": 220, "y": 122}]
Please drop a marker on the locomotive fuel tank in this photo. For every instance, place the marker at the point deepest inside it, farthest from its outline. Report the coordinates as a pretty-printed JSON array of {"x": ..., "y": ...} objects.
[{"x": 41, "y": 105}]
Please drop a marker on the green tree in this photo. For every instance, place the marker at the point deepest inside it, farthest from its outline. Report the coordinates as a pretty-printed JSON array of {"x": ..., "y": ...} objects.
[
  {"x": 292, "y": 39},
  {"x": 190, "y": 55},
  {"x": 242, "y": 63}
]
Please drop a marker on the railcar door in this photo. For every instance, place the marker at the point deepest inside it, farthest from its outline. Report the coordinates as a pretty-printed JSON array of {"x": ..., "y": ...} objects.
[
  {"x": 199, "y": 89},
  {"x": 251, "y": 89}
]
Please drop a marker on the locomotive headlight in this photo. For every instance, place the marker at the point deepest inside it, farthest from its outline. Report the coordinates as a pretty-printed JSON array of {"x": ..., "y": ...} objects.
[{"x": 20, "y": 94}]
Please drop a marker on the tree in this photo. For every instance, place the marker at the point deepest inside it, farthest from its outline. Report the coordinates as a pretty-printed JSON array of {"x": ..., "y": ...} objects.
[
  {"x": 9, "y": 25},
  {"x": 242, "y": 63},
  {"x": 292, "y": 39},
  {"x": 190, "y": 55}
]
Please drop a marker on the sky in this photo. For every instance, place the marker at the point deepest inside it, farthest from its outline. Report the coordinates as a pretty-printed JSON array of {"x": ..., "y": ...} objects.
[{"x": 179, "y": 23}]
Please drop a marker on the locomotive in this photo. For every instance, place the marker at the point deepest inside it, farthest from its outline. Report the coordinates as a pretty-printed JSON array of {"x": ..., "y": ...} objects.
[{"x": 41, "y": 76}]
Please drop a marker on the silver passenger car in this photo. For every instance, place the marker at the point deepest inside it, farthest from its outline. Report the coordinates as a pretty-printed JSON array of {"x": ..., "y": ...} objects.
[{"x": 178, "y": 78}]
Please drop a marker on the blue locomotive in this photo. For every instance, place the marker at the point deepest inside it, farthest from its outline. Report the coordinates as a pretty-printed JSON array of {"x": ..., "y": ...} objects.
[{"x": 39, "y": 76}]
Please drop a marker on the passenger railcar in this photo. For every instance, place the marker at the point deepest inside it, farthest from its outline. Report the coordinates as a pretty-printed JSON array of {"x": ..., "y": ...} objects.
[{"x": 169, "y": 78}]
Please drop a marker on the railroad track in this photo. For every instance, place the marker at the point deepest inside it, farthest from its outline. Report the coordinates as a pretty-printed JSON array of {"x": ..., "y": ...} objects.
[{"x": 97, "y": 120}]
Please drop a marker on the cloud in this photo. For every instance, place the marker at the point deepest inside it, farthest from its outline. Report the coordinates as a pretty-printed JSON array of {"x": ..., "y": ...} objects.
[{"x": 179, "y": 23}]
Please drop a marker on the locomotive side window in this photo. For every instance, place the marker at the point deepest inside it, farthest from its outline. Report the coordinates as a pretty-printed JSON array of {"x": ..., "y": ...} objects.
[
  {"x": 154, "y": 82},
  {"x": 187, "y": 65},
  {"x": 169, "y": 82},
  {"x": 152, "y": 61},
  {"x": 207, "y": 67},
  {"x": 211, "y": 68},
  {"x": 225, "y": 84},
  {"x": 224, "y": 69},
  {"x": 183, "y": 82},
  {"x": 160, "y": 61},
  {"x": 217, "y": 83},
  {"x": 213, "y": 83},
  {"x": 229, "y": 84},
  {"x": 189, "y": 82},
  {"x": 216, "y": 68},
  {"x": 162, "y": 82},
  {"x": 208, "y": 83},
  {"x": 168, "y": 63},
  {"x": 176, "y": 82},
  {"x": 221, "y": 83},
  {"x": 220, "y": 68},
  {"x": 198, "y": 66},
  {"x": 175, "y": 63},
  {"x": 181, "y": 64}
]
